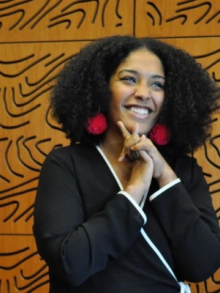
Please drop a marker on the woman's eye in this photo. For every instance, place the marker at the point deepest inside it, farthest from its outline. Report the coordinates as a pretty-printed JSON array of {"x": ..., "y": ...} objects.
[
  {"x": 158, "y": 85},
  {"x": 129, "y": 79}
]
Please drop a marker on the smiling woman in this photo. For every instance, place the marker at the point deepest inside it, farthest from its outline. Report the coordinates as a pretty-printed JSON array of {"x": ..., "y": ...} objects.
[{"x": 124, "y": 208}]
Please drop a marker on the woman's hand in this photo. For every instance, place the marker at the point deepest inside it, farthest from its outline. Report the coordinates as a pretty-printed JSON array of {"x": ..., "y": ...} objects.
[
  {"x": 162, "y": 171},
  {"x": 144, "y": 146},
  {"x": 130, "y": 139},
  {"x": 142, "y": 169}
]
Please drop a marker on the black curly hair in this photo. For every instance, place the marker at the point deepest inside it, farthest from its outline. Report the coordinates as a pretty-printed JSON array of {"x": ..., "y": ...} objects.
[{"x": 82, "y": 90}]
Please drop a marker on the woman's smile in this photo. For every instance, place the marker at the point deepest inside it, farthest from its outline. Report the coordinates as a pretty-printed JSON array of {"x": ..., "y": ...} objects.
[{"x": 138, "y": 111}]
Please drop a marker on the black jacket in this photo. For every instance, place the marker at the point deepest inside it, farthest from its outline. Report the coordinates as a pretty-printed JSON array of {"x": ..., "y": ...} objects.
[{"x": 90, "y": 236}]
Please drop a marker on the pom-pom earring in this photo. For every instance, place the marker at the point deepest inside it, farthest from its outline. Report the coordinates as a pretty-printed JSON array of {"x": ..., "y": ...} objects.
[
  {"x": 160, "y": 134},
  {"x": 97, "y": 124}
]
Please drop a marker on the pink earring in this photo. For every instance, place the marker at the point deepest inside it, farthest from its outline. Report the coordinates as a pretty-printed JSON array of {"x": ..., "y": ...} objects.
[
  {"x": 97, "y": 124},
  {"x": 160, "y": 134}
]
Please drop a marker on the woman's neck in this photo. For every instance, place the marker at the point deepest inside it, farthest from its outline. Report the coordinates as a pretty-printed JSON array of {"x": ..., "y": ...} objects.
[{"x": 112, "y": 145}]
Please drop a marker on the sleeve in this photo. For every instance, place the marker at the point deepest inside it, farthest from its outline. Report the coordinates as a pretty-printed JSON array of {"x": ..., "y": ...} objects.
[
  {"x": 186, "y": 214},
  {"x": 74, "y": 247}
]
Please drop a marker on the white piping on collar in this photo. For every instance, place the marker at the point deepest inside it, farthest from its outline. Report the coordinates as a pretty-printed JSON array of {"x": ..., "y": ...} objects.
[
  {"x": 110, "y": 167},
  {"x": 116, "y": 177}
]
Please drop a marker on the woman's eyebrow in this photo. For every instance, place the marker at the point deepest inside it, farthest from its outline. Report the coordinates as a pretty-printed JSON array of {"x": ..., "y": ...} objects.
[
  {"x": 137, "y": 73},
  {"x": 158, "y": 76},
  {"x": 129, "y": 70}
]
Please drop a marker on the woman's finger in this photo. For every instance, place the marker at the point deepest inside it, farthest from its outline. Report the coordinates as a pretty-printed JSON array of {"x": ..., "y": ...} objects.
[
  {"x": 144, "y": 144},
  {"x": 127, "y": 136},
  {"x": 130, "y": 139},
  {"x": 135, "y": 129},
  {"x": 124, "y": 131}
]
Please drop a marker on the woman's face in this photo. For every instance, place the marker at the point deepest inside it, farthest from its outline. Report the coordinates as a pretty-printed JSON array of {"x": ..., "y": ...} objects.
[{"x": 137, "y": 89}]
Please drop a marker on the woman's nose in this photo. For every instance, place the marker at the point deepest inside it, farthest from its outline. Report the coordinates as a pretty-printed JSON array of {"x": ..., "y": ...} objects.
[{"x": 142, "y": 92}]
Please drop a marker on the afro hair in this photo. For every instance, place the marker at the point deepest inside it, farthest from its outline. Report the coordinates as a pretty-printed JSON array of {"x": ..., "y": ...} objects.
[{"x": 82, "y": 90}]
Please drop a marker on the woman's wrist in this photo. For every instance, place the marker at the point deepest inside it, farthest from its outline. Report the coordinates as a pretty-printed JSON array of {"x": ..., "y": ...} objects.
[
  {"x": 166, "y": 177},
  {"x": 135, "y": 192}
]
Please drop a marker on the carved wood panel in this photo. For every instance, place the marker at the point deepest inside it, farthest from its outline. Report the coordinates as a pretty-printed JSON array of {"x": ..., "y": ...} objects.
[{"x": 36, "y": 38}]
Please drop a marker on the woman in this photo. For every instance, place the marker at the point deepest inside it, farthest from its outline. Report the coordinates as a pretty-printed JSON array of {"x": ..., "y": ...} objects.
[{"x": 124, "y": 208}]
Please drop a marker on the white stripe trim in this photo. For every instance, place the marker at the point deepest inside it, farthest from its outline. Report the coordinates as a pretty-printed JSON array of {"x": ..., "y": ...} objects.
[
  {"x": 164, "y": 188},
  {"x": 121, "y": 186},
  {"x": 110, "y": 167},
  {"x": 184, "y": 288},
  {"x": 127, "y": 195},
  {"x": 142, "y": 203},
  {"x": 157, "y": 252}
]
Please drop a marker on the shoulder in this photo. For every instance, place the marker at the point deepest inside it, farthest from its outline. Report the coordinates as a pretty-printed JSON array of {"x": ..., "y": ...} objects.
[
  {"x": 61, "y": 154},
  {"x": 71, "y": 151},
  {"x": 71, "y": 155}
]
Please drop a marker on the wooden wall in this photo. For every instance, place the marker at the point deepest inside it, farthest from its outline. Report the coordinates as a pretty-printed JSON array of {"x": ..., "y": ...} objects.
[{"x": 36, "y": 38}]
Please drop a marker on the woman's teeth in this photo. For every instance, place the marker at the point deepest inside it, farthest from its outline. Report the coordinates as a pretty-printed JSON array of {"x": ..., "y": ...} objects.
[{"x": 141, "y": 111}]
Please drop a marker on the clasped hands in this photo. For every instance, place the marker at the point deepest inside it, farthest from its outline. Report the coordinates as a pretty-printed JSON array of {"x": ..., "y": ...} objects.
[{"x": 150, "y": 162}]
